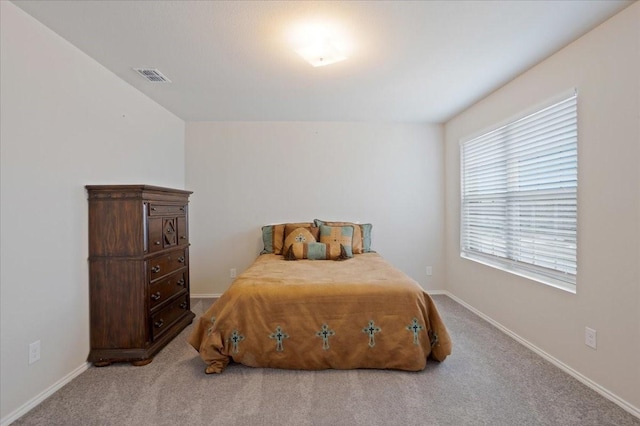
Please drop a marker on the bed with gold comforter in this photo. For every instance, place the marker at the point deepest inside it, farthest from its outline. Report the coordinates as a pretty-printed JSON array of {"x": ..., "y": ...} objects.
[{"x": 313, "y": 315}]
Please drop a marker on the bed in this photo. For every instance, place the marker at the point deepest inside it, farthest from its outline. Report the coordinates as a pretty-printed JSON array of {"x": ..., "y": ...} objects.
[{"x": 357, "y": 311}]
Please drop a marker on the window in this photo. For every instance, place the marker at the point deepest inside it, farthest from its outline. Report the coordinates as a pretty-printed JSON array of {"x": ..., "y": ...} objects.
[{"x": 519, "y": 196}]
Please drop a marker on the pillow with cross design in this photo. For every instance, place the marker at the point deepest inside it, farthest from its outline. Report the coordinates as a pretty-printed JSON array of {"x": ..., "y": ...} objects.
[
  {"x": 273, "y": 236},
  {"x": 298, "y": 235},
  {"x": 361, "y": 234},
  {"x": 337, "y": 235}
]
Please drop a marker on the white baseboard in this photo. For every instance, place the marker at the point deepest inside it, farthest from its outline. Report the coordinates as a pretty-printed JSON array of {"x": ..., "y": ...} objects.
[
  {"x": 561, "y": 365},
  {"x": 29, "y": 405},
  {"x": 205, "y": 296}
]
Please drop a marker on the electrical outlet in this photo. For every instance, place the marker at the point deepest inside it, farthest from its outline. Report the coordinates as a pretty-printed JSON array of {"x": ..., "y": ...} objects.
[
  {"x": 590, "y": 337},
  {"x": 34, "y": 352},
  {"x": 232, "y": 273},
  {"x": 429, "y": 271}
]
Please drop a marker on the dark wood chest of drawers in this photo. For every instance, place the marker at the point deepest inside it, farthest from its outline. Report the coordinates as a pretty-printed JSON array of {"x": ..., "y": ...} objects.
[{"x": 138, "y": 270}]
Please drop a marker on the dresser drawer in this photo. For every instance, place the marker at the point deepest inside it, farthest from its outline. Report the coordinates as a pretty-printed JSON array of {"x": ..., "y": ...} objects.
[
  {"x": 161, "y": 266},
  {"x": 163, "y": 289},
  {"x": 183, "y": 231},
  {"x": 166, "y": 210},
  {"x": 165, "y": 317},
  {"x": 155, "y": 235}
]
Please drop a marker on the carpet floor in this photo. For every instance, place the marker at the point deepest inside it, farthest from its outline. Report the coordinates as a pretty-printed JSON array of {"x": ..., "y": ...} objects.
[{"x": 490, "y": 379}]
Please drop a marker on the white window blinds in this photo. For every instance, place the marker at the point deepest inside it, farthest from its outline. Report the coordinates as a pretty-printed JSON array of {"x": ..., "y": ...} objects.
[{"x": 519, "y": 190}]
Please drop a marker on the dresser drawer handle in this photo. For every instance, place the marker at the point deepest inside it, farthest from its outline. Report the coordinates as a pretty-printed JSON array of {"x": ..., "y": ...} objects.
[
  {"x": 155, "y": 269},
  {"x": 156, "y": 296},
  {"x": 157, "y": 243},
  {"x": 183, "y": 237},
  {"x": 181, "y": 282},
  {"x": 183, "y": 305},
  {"x": 159, "y": 324},
  {"x": 181, "y": 259},
  {"x": 153, "y": 209},
  {"x": 181, "y": 208}
]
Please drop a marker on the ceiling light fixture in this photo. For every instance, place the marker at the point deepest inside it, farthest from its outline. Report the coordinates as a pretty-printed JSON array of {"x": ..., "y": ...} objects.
[
  {"x": 321, "y": 53},
  {"x": 318, "y": 45}
]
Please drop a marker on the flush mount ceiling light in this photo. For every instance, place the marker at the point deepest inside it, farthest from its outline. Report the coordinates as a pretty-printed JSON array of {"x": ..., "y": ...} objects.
[
  {"x": 321, "y": 53},
  {"x": 319, "y": 44}
]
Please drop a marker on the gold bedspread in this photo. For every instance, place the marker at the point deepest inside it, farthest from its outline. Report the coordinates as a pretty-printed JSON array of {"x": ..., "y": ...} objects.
[{"x": 312, "y": 315}]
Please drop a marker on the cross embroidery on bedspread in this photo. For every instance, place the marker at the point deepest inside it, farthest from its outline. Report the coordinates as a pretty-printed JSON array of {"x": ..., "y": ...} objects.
[
  {"x": 279, "y": 336},
  {"x": 371, "y": 330},
  {"x": 235, "y": 340},
  {"x": 325, "y": 333},
  {"x": 415, "y": 328}
]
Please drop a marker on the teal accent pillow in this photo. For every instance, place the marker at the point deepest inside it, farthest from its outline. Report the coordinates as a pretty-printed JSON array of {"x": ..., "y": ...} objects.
[
  {"x": 318, "y": 251},
  {"x": 366, "y": 237},
  {"x": 267, "y": 239}
]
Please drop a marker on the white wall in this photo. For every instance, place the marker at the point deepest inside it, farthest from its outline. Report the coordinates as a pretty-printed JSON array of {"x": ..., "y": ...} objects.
[
  {"x": 66, "y": 122},
  {"x": 245, "y": 175},
  {"x": 604, "y": 65}
]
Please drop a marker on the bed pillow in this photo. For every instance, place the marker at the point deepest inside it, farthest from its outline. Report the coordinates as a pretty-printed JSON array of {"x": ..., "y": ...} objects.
[
  {"x": 267, "y": 239},
  {"x": 317, "y": 251},
  {"x": 298, "y": 235},
  {"x": 361, "y": 234},
  {"x": 290, "y": 227},
  {"x": 366, "y": 237},
  {"x": 273, "y": 236},
  {"x": 338, "y": 235}
]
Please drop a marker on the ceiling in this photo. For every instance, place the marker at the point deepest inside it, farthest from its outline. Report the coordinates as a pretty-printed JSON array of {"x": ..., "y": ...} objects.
[{"x": 413, "y": 61}]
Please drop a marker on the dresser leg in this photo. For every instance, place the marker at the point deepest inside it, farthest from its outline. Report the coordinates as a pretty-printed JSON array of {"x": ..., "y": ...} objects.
[
  {"x": 141, "y": 362},
  {"x": 102, "y": 363}
]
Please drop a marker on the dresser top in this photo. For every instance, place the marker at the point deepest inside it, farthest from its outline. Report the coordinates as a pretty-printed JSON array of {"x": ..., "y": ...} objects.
[{"x": 139, "y": 188}]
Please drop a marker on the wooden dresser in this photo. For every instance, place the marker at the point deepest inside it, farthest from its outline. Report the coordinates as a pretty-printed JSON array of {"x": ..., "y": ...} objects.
[{"x": 138, "y": 270}]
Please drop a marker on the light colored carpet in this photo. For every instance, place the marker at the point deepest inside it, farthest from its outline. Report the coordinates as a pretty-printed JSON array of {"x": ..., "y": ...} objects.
[{"x": 489, "y": 379}]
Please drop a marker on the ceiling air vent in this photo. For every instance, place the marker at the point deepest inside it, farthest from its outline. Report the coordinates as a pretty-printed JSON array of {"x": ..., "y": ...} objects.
[{"x": 152, "y": 75}]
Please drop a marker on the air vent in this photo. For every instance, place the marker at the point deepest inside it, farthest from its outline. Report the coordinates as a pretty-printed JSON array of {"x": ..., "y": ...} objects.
[{"x": 152, "y": 75}]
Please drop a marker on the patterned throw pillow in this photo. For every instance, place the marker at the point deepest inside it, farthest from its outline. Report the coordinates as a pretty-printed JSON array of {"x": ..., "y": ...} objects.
[
  {"x": 338, "y": 235},
  {"x": 317, "y": 251},
  {"x": 290, "y": 227},
  {"x": 298, "y": 235},
  {"x": 273, "y": 236},
  {"x": 361, "y": 234}
]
